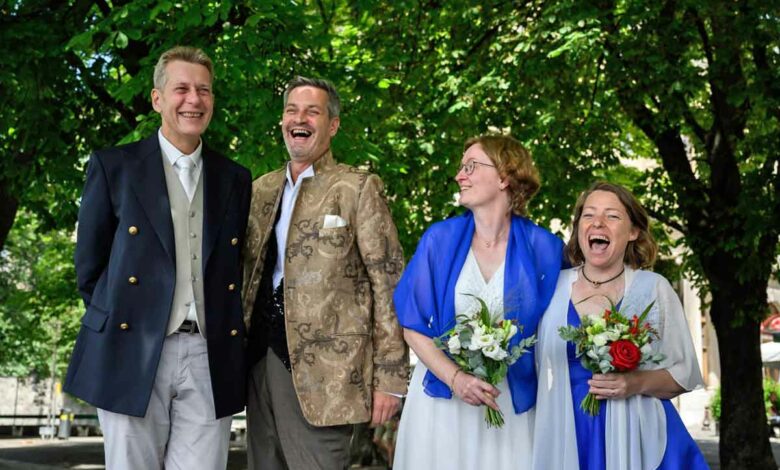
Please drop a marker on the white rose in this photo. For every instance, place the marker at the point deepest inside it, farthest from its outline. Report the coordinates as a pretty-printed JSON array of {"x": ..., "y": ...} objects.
[
  {"x": 494, "y": 352},
  {"x": 483, "y": 341},
  {"x": 613, "y": 335},
  {"x": 453, "y": 344},
  {"x": 600, "y": 339}
]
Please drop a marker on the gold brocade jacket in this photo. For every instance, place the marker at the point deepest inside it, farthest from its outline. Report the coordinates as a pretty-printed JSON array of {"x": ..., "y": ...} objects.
[{"x": 343, "y": 336}]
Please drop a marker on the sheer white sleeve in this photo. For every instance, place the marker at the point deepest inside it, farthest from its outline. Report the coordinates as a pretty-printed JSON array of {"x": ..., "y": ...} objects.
[{"x": 676, "y": 343}]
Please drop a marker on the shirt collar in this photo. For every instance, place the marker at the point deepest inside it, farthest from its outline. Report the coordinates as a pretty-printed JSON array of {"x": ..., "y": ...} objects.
[
  {"x": 172, "y": 153},
  {"x": 307, "y": 173}
]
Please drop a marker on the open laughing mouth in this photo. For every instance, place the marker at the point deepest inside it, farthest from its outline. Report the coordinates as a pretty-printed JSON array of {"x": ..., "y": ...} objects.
[
  {"x": 191, "y": 114},
  {"x": 598, "y": 243},
  {"x": 300, "y": 133}
]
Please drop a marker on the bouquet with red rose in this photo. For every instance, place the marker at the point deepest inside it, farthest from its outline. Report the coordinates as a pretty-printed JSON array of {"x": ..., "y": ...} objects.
[{"x": 612, "y": 342}]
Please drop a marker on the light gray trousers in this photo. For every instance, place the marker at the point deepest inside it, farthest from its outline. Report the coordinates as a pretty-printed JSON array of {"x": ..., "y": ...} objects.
[{"x": 179, "y": 430}]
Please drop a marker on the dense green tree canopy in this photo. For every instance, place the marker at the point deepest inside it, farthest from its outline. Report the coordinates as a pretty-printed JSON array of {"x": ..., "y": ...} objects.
[{"x": 677, "y": 99}]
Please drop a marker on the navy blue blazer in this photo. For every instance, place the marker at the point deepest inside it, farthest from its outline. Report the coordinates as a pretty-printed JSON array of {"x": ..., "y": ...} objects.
[{"x": 114, "y": 362}]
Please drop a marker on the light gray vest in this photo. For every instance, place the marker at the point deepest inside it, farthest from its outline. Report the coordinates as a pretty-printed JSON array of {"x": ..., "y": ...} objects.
[{"x": 188, "y": 237}]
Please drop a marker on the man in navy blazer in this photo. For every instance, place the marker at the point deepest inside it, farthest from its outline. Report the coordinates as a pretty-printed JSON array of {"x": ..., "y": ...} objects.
[{"x": 160, "y": 352}]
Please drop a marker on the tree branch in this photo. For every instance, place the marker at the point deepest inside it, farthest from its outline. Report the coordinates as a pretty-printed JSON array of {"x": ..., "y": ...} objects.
[
  {"x": 705, "y": 38},
  {"x": 666, "y": 220},
  {"x": 673, "y": 56},
  {"x": 767, "y": 243},
  {"x": 690, "y": 119},
  {"x": 104, "y": 8},
  {"x": 8, "y": 207},
  {"x": 128, "y": 115},
  {"x": 326, "y": 22},
  {"x": 664, "y": 135},
  {"x": 725, "y": 75},
  {"x": 766, "y": 78},
  {"x": 599, "y": 64}
]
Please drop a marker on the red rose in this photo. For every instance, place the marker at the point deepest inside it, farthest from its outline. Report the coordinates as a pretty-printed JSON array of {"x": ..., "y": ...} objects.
[{"x": 625, "y": 355}]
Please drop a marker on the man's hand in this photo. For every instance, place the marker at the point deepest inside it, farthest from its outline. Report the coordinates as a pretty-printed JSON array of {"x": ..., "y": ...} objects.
[{"x": 385, "y": 407}]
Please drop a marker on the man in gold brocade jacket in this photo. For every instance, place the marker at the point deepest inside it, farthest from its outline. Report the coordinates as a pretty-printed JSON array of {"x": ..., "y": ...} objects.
[{"x": 322, "y": 259}]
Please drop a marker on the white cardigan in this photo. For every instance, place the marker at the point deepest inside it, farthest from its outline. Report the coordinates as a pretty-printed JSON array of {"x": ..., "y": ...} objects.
[{"x": 636, "y": 426}]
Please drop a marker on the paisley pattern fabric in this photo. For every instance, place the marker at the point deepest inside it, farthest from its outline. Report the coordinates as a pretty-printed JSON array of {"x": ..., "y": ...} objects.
[{"x": 342, "y": 333}]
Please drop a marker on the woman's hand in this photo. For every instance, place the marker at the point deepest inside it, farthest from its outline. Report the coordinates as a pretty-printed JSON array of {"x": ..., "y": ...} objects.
[
  {"x": 474, "y": 391},
  {"x": 613, "y": 386},
  {"x": 657, "y": 383}
]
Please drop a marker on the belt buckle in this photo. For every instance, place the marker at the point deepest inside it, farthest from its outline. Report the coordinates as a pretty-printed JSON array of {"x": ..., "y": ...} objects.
[{"x": 188, "y": 326}]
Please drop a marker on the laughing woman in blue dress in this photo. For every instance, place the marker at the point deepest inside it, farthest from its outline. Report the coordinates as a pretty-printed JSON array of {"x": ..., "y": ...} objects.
[{"x": 637, "y": 427}]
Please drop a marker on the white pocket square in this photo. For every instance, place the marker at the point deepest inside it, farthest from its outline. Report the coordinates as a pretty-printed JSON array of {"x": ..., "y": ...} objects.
[{"x": 333, "y": 221}]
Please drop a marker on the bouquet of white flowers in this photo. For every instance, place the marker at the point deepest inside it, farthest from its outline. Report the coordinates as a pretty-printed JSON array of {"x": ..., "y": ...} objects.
[{"x": 479, "y": 344}]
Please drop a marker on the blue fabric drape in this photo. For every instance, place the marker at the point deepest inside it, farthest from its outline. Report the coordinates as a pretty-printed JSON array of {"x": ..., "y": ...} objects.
[
  {"x": 681, "y": 450},
  {"x": 425, "y": 297}
]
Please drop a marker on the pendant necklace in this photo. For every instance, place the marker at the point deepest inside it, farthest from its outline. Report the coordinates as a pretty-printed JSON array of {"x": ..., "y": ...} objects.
[
  {"x": 598, "y": 284},
  {"x": 489, "y": 243}
]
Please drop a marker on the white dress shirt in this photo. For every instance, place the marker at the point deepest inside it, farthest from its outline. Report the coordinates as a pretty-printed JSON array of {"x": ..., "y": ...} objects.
[
  {"x": 283, "y": 226},
  {"x": 172, "y": 154}
]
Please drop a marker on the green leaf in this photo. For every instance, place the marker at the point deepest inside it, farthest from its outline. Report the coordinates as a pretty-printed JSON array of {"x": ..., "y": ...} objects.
[
  {"x": 120, "y": 40},
  {"x": 80, "y": 41}
]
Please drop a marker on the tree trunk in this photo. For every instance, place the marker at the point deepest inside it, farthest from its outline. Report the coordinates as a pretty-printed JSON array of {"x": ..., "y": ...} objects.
[
  {"x": 744, "y": 439},
  {"x": 8, "y": 207}
]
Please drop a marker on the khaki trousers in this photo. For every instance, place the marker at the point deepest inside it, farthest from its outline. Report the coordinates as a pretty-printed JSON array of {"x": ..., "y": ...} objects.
[
  {"x": 179, "y": 430},
  {"x": 278, "y": 436}
]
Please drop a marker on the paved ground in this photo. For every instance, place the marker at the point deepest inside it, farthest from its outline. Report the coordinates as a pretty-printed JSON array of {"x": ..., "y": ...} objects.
[
  {"x": 86, "y": 453},
  {"x": 708, "y": 443},
  {"x": 79, "y": 453}
]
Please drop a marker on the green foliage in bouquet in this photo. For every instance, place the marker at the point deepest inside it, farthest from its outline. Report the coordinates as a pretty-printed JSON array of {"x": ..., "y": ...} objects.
[
  {"x": 479, "y": 345},
  {"x": 611, "y": 342}
]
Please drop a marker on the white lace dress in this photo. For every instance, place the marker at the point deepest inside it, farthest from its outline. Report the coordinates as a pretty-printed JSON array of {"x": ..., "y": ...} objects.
[{"x": 438, "y": 433}]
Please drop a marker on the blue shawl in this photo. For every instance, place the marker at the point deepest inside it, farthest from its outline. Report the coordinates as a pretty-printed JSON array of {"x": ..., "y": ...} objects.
[{"x": 425, "y": 296}]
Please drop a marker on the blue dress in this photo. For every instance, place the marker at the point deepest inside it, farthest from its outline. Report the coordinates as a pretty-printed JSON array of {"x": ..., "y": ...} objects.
[{"x": 681, "y": 450}]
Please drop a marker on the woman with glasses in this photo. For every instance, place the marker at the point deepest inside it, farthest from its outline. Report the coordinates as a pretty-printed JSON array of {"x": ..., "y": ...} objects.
[{"x": 494, "y": 252}]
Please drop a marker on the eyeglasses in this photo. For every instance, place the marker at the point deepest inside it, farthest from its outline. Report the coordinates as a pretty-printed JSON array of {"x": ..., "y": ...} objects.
[{"x": 469, "y": 166}]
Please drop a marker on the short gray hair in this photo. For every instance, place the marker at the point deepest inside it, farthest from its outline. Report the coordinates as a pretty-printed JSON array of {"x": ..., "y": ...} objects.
[
  {"x": 334, "y": 102},
  {"x": 192, "y": 55}
]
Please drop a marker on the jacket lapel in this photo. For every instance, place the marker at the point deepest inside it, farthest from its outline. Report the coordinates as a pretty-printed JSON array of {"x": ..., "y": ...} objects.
[
  {"x": 217, "y": 193},
  {"x": 148, "y": 182}
]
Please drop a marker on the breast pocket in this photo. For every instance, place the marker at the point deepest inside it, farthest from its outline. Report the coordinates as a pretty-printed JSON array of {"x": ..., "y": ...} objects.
[{"x": 335, "y": 242}]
